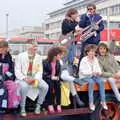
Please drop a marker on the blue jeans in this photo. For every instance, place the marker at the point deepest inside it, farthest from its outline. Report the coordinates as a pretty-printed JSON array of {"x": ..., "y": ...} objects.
[{"x": 90, "y": 81}]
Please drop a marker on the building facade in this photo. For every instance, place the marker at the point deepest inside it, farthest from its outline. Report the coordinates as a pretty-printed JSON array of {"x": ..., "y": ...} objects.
[
  {"x": 33, "y": 32},
  {"x": 106, "y": 8}
]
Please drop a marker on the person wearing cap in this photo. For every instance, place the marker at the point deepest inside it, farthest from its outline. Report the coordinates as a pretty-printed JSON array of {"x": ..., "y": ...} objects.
[{"x": 28, "y": 71}]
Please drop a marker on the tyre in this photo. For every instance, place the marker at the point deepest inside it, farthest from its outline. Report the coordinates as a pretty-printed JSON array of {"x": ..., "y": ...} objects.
[{"x": 113, "y": 112}]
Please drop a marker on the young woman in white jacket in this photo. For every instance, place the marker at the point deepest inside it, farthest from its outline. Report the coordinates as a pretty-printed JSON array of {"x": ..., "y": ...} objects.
[{"x": 89, "y": 71}]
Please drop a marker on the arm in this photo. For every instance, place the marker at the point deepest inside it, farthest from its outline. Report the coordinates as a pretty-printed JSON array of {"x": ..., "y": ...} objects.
[
  {"x": 84, "y": 70},
  {"x": 45, "y": 74},
  {"x": 68, "y": 26},
  {"x": 100, "y": 25},
  {"x": 18, "y": 68},
  {"x": 104, "y": 73}
]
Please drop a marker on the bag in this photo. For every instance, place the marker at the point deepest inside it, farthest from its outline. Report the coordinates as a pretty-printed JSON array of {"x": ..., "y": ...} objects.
[
  {"x": 3, "y": 95},
  {"x": 13, "y": 93},
  {"x": 65, "y": 94}
]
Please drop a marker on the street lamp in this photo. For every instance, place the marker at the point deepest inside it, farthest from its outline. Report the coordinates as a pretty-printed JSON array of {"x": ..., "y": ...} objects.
[{"x": 7, "y": 15}]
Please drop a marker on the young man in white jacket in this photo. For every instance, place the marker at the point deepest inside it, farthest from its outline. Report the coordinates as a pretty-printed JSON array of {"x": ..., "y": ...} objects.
[{"x": 28, "y": 71}]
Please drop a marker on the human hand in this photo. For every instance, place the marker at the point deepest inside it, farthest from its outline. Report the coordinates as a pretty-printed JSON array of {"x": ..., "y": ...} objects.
[{"x": 54, "y": 78}]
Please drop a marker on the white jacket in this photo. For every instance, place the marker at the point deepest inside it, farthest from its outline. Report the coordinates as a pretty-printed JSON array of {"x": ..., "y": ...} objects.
[
  {"x": 22, "y": 64},
  {"x": 86, "y": 68},
  {"x": 21, "y": 70}
]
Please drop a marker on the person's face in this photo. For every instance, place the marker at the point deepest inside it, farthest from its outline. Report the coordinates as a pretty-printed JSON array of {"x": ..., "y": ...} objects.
[
  {"x": 91, "y": 53},
  {"x": 102, "y": 51},
  {"x": 59, "y": 56},
  {"x": 33, "y": 49},
  {"x": 3, "y": 50},
  {"x": 74, "y": 16},
  {"x": 91, "y": 10}
]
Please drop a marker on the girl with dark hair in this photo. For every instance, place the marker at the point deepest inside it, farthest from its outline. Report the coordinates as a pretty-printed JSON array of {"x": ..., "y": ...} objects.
[
  {"x": 110, "y": 68},
  {"x": 51, "y": 74}
]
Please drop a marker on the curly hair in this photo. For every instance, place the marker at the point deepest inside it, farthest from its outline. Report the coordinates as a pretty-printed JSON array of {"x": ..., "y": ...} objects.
[
  {"x": 90, "y": 47},
  {"x": 53, "y": 52},
  {"x": 4, "y": 44},
  {"x": 71, "y": 11}
]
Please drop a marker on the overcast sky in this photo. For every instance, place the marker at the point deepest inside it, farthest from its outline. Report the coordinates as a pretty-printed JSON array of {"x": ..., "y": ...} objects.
[{"x": 26, "y": 12}]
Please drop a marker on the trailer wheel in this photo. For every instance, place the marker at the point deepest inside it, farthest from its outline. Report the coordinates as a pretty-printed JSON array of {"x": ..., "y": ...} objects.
[{"x": 113, "y": 112}]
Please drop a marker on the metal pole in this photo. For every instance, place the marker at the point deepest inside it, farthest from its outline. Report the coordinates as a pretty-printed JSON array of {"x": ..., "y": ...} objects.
[
  {"x": 7, "y": 26},
  {"x": 108, "y": 25}
]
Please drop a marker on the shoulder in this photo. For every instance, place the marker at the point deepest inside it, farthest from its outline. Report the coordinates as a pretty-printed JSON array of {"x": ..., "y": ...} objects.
[
  {"x": 98, "y": 16},
  {"x": 84, "y": 59},
  {"x": 22, "y": 54}
]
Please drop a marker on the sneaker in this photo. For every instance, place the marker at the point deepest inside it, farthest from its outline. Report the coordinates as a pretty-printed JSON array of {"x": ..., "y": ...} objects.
[
  {"x": 23, "y": 112},
  {"x": 92, "y": 106},
  {"x": 104, "y": 105},
  {"x": 37, "y": 109},
  {"x": 78, "y": 101},
  {"x": 59, "y": 110},
  {"x": 51, "y": 109}
]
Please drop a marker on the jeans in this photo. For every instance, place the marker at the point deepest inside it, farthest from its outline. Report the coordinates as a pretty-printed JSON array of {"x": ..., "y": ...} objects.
[{"x": 90, "y": 81}]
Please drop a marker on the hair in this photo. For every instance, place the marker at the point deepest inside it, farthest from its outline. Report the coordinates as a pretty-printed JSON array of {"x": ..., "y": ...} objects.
[
  {"x": 4, "y": 44},
  {"x": 91, "y": 5},
  {"x": 32, "y": 41},
  {"x": 71, "y": 11},
  {"x": 64, "y": 51},
  {"x": 103, "y": 45},
  {"x": 90, "y": 47},
  {"x": 53, "y": 52}
]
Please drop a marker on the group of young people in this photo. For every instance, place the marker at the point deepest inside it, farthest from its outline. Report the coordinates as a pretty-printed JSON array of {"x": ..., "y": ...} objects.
[{"x": 42, "y": 78}]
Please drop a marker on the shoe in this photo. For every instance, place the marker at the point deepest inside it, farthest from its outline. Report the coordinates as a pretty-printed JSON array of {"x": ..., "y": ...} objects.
[
  {"x": 78, "y": 101},
  {"x": 37, "y": 109},
  {"x": 104, "y": 105},
  {"x": 51, "y": 109},
  {"x": 23, "y": 112},
  {"x": 59, "y": 110},
  {"x": 92, "y": 107}
]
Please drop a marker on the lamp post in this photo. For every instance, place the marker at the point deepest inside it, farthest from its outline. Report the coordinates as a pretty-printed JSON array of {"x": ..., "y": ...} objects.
[{"x": 7, "y": 15}]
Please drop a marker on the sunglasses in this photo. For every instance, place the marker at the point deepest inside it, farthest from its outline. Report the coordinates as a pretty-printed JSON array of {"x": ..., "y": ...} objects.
[{"x": 90, "y": 9}]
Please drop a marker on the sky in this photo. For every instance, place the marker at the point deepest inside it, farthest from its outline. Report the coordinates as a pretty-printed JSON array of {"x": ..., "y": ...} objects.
[{"x": 26, "y": 12}]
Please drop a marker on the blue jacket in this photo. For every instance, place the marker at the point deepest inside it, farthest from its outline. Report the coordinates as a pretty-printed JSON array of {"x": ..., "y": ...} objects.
[{"x": 85, "y": 21}]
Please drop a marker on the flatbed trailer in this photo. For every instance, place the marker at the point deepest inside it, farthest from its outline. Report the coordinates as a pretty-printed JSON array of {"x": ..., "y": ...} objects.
[{"x": 75, "y": 113}]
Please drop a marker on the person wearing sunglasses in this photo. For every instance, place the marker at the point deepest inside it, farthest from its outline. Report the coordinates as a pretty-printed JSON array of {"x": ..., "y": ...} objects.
[{"x": 87, "y": 19}]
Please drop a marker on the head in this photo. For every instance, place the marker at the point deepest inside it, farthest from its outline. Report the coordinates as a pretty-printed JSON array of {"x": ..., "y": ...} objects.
[
  {"x": 90, "y": 50},
  {"x": 32, "y": 46},
  {"x": 72, "y": 13},
  {"x": 91, "y": 8},
  {"x": 54, "y": 54},
  {"x": 103, "y": 49},
  {"x": 64, "y": 51},
  {"x": 3, "y": 47}
]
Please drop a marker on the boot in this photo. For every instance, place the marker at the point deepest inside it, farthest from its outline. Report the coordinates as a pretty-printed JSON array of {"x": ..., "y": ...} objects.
[
  {"x": 79, "y": 102},
  {"x": 37, "y": 109},
  {"x": 23, "y": 112}
]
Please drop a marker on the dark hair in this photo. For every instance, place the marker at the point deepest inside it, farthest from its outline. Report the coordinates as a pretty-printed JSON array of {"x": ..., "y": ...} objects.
[
  {"x": 3, "y": 43},
  {"x": 90, "y": 47},
  {"x": 53, "y": 52},
  {"x": 103, "y": 45},
  {"x": 71, "y": 11},
  {"x": 91, "y": 5}
]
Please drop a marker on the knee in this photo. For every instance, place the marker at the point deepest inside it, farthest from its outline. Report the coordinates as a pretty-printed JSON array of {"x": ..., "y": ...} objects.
[
  {"x": 91, "y": 81},
  {"x": 45, "y": 87},
  {"x": 111, "y": 80}
]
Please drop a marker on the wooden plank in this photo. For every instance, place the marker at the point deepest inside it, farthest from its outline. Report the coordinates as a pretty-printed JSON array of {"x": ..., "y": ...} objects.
[
  {"x": 96, "y": 88},
  {"x": 31, "y": 115}
]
